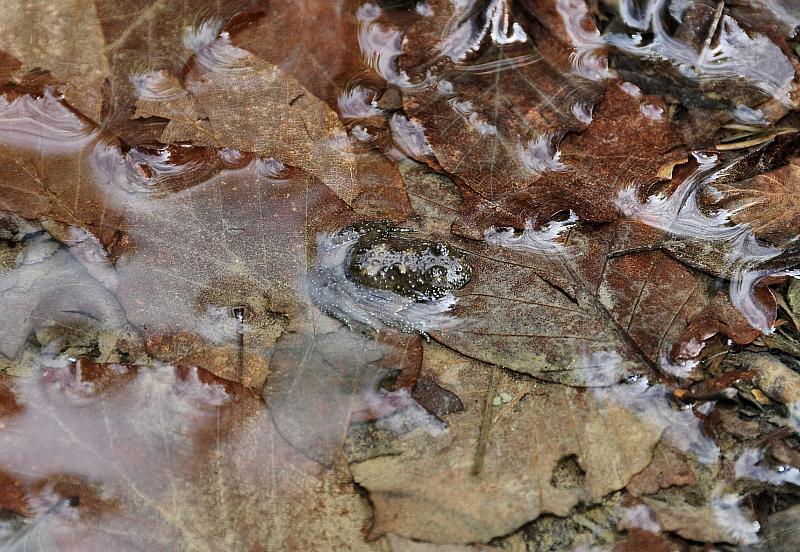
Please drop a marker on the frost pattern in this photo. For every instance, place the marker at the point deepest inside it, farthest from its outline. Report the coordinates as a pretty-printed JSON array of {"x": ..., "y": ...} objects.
[
  {"x": 737, "y": 55},
  {"x": 588, "y": 60},
  {"x": 681, "y": 427},
  {"x": 747, "y": 466},
  {"x": 466, "y": 33},
  {"x": 729, "y": 516},
  {"x": 213, "y": 49},
  {"x": 43, "y": 122},
  {"x": 381, "y": 46},
  {"x": 409, "y": 136},
  {"x": 358, "y": 102},
  {"x": 547, "y": 239},
  {"x": 157, "y": 86},
  {"x": 540, "y": 156}
]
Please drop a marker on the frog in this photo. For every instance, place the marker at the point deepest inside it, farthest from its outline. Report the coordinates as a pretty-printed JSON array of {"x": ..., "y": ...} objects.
[{"x": 390, "y": 258}]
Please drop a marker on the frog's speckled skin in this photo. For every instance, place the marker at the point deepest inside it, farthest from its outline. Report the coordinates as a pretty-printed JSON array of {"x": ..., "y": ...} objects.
[{"x": 385, "y": 257}]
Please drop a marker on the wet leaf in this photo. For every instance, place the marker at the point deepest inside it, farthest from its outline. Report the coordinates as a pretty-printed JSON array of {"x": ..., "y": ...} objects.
[
  {"x": 42, "y": 36},
  {"x": 630, "y": 136},
  {"x": 424, "y": 486},
  {"x": 97, "y": 48},
  {"x": 47, "y": 170},
  {"x": 211, "y": 274},
  {"x": 669, "y": 468},
  {"x": 561, "y": 309},
  {"x": 49, "y": 289},
  {"x": 767, "y": 203},
  {"x": 644, "y": 540},
  {"x": 178, "y": 459},
  {"x": 718, "y": 519},
  {"x": 314, "y": 42},
  {"x": 248, "y": 104},
  {"x": 323, "y": 375},
  {"x": 491, "y": 85}
]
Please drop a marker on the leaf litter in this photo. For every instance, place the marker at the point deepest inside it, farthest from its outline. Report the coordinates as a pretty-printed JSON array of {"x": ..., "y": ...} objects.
[{"x": 419, "y": 275}]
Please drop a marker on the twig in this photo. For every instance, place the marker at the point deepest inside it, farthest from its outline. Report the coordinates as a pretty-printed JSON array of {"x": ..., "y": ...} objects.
[
  {"x": 238, "y": 312},
  {"x": 486, "y": 423},
  {"x": 633, "y": 250}
]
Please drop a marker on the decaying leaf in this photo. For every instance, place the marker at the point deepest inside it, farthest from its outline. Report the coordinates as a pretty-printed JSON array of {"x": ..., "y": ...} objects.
[
  {"x": 323, "y": 375},
  {"x": 558, "y": 307},
  {"x": 50, "y": 289},
  {"x": 768, "y": 203},
  {"x": 629, "y": 132},
  {"x": 99, "y": 48},
  {"x": 669, "y": 468},
  {"x": 717, "y": 519},
  {"x": 211, "y": 273},
  {"x": 248, "y": 104},
  {"x": 424, "y": 486},
  {"x": 172, "y": 459}
]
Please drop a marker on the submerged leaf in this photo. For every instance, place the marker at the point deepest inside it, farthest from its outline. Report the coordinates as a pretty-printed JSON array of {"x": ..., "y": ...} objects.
[
  {"x": 250, "y": 105},
  {"x": 424, "y": 486},
  {"x": 768, "y": 203},
  {"x": 172, "y": 459}
]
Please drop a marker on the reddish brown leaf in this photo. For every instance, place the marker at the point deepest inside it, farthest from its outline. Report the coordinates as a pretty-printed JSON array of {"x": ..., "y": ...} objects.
[{"x": 625, "y": 146}]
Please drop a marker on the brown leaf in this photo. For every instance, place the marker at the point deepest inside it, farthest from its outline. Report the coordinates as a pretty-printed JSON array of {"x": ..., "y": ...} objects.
[
  {"x": 95, "y": 48},
  {"x": 628, "y": 142},
  {"x": 47, "y": 169},
  {"x": 718, "y": 519},
  {"x": 669, "y": 468},
  {"x": 643, "y": 540},
  {"x": 252, "y": 105},
  {"x": 423, "y": 485},
  {"x": 181, "y": 460},
  {"x": 768, "y": 203},
  {"x": 314, "y": 42},
  {"x": 569, "y": 313},
  {"x": 43, "y": 36},
  {"x": 489, "y": 97}
]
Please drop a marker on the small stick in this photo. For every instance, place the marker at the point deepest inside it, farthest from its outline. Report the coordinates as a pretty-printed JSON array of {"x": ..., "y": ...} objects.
[
  {"x": 634, "y": 250},
  {"x": 711, "y": 32},
  {"x": 486, "y": 423}
]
